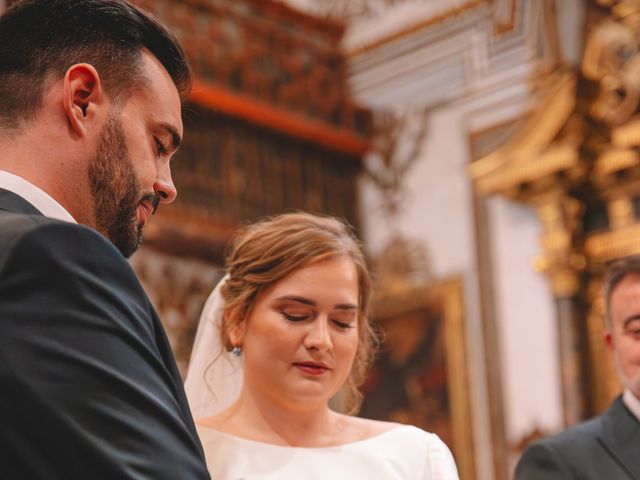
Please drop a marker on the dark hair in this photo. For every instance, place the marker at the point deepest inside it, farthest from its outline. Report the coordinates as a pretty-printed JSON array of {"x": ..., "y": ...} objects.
[
  {"x": 265, "y": 252},
  {"x": 41, "y": 39},
  {"x": 617, "y": 271}
]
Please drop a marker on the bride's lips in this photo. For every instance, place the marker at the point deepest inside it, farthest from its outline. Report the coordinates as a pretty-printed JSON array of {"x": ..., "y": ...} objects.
[{"x": 312, "y": 368}]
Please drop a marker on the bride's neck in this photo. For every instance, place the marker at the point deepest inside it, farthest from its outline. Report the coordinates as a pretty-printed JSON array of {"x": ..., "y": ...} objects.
[{"x": 264, "y": 419}]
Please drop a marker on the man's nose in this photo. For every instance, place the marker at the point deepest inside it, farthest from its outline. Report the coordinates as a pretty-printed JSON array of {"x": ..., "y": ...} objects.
[{"x": 164, "y": 187}]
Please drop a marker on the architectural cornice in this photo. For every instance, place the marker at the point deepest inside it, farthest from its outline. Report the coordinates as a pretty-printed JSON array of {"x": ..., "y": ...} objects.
[
  {"x": 415, "y": 26},
  {"x": 452, "y": 55},
  {"x": 276, "y": 118}
]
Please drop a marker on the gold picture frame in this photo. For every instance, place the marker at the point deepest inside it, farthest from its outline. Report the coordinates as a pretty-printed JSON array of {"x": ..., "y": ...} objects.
[{"x": 421, "y": 375}]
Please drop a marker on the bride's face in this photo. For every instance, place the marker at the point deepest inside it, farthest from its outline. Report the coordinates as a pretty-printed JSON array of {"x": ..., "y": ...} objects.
[{"x": 301, "y": 336}]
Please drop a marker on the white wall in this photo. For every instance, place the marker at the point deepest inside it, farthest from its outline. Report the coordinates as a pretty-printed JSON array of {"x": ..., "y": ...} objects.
[
  {"x": 437, "y": 194},
  {"x": 527, "y": 322}
]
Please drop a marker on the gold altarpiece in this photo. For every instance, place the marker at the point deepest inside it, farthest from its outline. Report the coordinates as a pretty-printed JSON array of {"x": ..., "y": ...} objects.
[{"x": 576, "y": 163}]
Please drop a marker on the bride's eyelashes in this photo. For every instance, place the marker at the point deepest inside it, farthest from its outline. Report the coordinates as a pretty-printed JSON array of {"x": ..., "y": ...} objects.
[{"x": 295, "y": 317}]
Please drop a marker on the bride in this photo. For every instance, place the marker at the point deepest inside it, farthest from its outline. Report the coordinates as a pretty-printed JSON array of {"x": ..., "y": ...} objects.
[{"x": 282, "y": 334}]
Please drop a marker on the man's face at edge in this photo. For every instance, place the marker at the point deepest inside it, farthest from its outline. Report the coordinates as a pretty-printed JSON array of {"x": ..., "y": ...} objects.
[{"x": 623, "y": 336}]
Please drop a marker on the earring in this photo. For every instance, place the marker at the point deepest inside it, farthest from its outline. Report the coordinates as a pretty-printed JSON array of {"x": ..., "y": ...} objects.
[{"x": 236, "y": 352}]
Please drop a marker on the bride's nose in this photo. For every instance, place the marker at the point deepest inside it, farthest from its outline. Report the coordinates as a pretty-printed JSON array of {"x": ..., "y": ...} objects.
[{"x": 318, "y": 336}]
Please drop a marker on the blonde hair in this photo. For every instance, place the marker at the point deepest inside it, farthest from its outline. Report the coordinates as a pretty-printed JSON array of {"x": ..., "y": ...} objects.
[{"x": 263, "y": 253}]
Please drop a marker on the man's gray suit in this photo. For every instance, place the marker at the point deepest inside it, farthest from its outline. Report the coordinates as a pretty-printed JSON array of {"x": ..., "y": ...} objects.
[
  {"x": 88, "y": 385},
  {"x": 604, "y": 448}
]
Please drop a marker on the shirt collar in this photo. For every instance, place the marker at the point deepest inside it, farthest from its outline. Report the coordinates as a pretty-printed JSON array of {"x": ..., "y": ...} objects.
[
  {"x": 632, "y": 403},
  {"x": 35, "y": 196}
]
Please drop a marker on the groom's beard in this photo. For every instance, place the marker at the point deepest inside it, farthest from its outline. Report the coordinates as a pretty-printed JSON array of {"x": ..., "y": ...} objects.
[{"x": 116, "y": 191}]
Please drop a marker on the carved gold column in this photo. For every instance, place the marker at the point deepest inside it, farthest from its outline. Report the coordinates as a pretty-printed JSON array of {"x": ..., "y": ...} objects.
[
  {"x": 564, "y": 263},
  {"x": 559, "y": 215}
]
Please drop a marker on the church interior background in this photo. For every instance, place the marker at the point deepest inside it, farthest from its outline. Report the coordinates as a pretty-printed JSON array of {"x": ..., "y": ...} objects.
[{"x": 486, "y": 152}]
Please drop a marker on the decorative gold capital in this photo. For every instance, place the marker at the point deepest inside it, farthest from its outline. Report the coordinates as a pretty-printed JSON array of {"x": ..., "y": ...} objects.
[{"x": 560, "y": 260}]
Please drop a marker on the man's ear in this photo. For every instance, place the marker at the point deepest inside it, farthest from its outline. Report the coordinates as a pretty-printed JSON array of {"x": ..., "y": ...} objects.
[
  {"x": 608, "y": 339},
  {"x": 83, "y": 96}
]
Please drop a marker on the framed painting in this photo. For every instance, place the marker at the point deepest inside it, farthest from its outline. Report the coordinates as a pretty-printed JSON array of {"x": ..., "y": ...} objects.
[{"x": 420, "y": 375}]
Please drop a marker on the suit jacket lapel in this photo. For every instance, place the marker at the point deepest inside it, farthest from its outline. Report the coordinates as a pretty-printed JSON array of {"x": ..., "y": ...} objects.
[
  {"x": 621, "y": 437},
  {"x": 12, "y": 202}
]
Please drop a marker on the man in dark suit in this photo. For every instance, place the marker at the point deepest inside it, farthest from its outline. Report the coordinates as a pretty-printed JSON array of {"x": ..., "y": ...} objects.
[
  {"x": 608, "y": 446},
  {"x": 90, "y": 115}
]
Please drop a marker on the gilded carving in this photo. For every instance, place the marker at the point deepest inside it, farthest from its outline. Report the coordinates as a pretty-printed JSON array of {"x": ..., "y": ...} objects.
[
  {"x": 540, "y": 166},
  {"x": 610, "y": 60},
  {"x": 609, "y": 245},
  {"x": 611, "y": 161},
  {"x": 620, "y": 212},
  {"x": 547, "y": 145},
  {"x": 579, "y": 168},
  {"x": 627, "y": 135},
  {"x": 561, "y": 260}
]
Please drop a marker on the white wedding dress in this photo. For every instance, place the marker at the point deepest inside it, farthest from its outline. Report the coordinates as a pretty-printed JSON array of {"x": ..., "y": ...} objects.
[{"x": 402, "y": 453}]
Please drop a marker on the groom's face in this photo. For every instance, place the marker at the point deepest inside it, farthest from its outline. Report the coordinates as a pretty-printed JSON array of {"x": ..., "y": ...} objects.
[{"x": 130, "y": 173}]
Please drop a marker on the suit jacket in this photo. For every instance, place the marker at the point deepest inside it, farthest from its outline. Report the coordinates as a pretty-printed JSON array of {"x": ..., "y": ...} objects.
[
  {"x": 604, "y": 448},
  {"x": 89, "y": 388}
]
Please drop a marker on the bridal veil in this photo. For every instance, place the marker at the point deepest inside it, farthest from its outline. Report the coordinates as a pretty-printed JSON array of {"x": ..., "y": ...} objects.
[{"x": 214, "y": 377}]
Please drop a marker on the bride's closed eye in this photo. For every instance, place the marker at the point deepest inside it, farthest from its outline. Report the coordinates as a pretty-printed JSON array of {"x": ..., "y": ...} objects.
[
  {"x": 345, "y": 320},
  {"x": 295, "y": 315},
  {"x": 343, "y": 325}
]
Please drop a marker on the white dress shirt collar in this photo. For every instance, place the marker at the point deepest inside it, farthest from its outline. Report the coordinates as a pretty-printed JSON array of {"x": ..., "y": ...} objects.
[
  {"x": 632, "y": 403},
  {"x": 35, "y": 196}
]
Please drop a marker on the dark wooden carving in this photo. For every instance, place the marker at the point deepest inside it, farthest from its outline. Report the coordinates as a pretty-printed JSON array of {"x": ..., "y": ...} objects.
[
  {"x": 235, "y": 168},
  {"x": 230, "y": 172}
]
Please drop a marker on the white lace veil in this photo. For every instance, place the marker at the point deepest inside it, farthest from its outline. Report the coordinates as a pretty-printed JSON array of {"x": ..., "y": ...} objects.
[{"x": 214, "y": 377}]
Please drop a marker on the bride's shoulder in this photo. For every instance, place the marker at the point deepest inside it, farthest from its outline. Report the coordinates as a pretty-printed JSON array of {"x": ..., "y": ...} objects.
[
  {"x": 364, "y": 428},
  {"x": 356, "y": 428}
]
